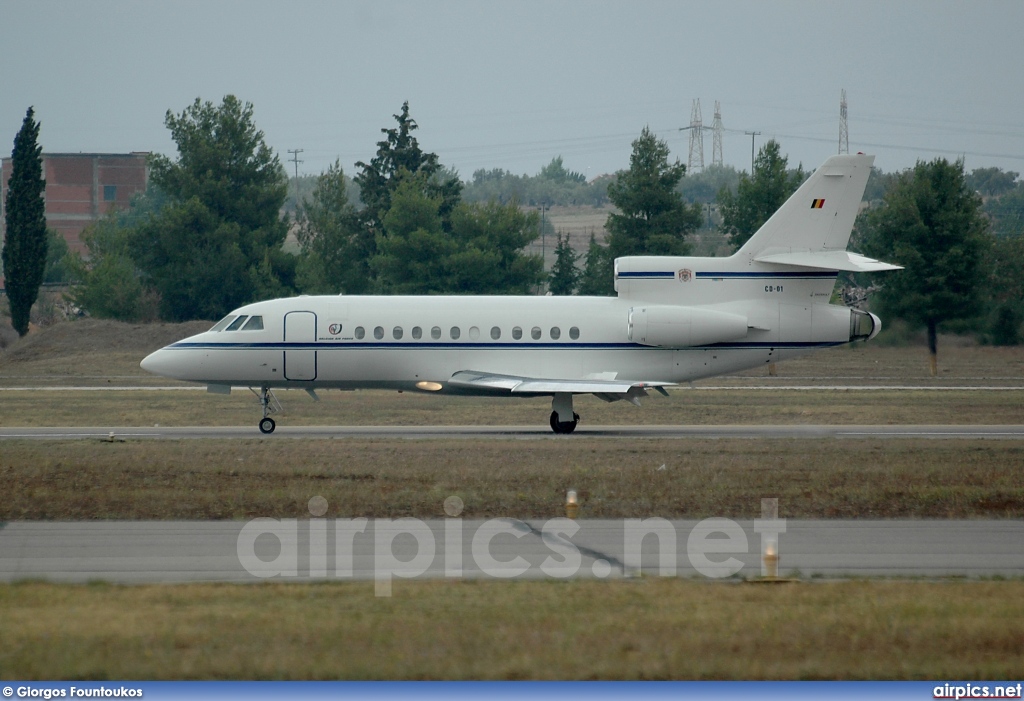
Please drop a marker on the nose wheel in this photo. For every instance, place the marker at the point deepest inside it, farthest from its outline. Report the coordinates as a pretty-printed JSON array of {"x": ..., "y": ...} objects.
[{"x": 270, "y": 405}]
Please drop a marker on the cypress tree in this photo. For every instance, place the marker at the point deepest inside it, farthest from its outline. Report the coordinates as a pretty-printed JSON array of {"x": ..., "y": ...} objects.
[{"x": 24, "y": 254}]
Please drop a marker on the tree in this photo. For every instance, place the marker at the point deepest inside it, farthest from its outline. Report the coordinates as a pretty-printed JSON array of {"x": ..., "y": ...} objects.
[
  {"x": 58, "y": 264},
  {"x": 400, "y": 153},
  {"x": 109, "y": 284},
  {"x": 336, "y": 247},
  {"x": 491, "y": 238},
  {"x": 565, "y": 276},
  {"x": 1007, "y": 212},
  {"x": 597, "y": 275},
  {"x": 930, "y": 223},
  {"x": 1006, "y": 286},
  {"x": 481, "y": 254},
  {"x": 217, "y": 244},
  {"x": 196, "y": 261},
  {"x": 991, "y": 182},
  {"x": 758, "y": 196},
  {"x": 25, "y": 237},
  {"x": 413, "y": 248},
  {"x": 653, "y": 219}
]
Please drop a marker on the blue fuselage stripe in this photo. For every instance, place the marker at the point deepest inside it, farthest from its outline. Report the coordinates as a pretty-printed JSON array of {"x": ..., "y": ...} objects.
[
  {"x": 663, "y": 275},
  {"x": 362, "y": 345}
]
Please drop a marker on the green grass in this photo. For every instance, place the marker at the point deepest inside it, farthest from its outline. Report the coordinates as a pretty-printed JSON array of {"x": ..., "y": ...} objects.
[{"x": 636, "y": 629}]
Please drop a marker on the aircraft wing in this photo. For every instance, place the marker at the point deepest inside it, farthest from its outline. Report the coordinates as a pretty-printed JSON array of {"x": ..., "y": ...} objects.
[{"x": 608, "y": 390}]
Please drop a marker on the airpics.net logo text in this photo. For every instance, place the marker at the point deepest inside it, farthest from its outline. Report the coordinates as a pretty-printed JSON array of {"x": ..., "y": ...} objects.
[{"x": 383, "y": 549}]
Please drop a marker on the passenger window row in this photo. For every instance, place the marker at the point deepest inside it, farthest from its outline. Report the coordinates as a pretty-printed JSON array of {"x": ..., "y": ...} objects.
[{"x": 455, "y": 333}]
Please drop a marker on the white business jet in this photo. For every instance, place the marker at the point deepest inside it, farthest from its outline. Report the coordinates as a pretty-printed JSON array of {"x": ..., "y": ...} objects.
[{"x": 675, "y": 319}]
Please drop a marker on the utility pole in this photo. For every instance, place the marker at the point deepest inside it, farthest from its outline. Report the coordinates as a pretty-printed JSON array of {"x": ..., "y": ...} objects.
[
  {"x": 844, "y": 131},
  {"x": 295, "y": 159},
  {"x": 752, "y": 134}
]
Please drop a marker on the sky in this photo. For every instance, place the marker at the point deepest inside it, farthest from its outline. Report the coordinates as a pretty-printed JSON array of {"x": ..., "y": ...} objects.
[{"x": 515, "y": 83}]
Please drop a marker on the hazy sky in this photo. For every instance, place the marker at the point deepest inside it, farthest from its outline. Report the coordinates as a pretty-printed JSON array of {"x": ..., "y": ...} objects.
[{"x": 513, "y": 84}]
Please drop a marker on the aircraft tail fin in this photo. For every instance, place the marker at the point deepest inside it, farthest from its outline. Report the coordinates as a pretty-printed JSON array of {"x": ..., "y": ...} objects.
[{"x": 817, "y": 219}]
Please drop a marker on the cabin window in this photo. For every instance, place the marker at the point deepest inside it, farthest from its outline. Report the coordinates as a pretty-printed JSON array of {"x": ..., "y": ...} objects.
[
  {"x": 417, "y": 332},
  {"x": 255, "y": 323},
  {"x": 360, "y": 333},
  {"x": 517, "y": 332},
  {"x": 495, "y": 333},
  {"x": 574, "y": 332},
  {"x": 556, "y": 333},
  {"x": 378, "y": 332},
  {"x": 236, "y": 324},
  {"x": 535, "y": 333},
  {"x": 397, "y": 332},
  {"x": 219, "y": 326},
  {"x": 435, "y": 333},
  {"x": 455, "y": 333},
  {"x": 474, "y": 332}
]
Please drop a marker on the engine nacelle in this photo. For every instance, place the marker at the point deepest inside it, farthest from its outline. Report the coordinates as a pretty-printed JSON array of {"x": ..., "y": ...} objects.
[{"x": 672, "y": 326}]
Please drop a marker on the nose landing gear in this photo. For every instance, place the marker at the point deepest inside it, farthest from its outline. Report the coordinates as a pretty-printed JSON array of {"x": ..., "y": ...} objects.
[{"x": 270, "y": 405}]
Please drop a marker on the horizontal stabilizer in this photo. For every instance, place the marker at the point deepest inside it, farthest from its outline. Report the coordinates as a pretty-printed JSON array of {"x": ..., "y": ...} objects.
[
  {"x": 529, "y": 385},
  {"x": 829, "y": 260}
]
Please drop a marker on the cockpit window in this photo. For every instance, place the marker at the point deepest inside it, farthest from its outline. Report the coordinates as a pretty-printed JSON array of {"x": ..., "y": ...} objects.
[
  {"x": 255, "y": 323},
  {"x": 219, "y": 326},
  {"x": 236, "y": 324}
]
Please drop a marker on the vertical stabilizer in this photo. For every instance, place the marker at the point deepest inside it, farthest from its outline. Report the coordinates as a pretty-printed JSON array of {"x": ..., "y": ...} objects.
[{"x": 819, "y": 216}]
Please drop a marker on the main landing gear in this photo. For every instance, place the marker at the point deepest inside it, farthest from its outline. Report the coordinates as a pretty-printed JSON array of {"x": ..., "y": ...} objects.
[
  {"x": 561, "y": 407},
  {"x": 270, "y": 406}
]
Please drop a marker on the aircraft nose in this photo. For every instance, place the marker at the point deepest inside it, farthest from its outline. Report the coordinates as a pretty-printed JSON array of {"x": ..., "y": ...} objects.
[{"x": 158, "y": 363}]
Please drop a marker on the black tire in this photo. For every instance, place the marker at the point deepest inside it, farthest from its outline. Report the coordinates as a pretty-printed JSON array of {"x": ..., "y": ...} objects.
[
  {"x": 267, "y": 425},
  {"x": 563, "y": 426}
]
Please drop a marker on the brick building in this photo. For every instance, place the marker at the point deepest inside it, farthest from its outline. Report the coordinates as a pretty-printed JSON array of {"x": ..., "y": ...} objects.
[{"x": 82, "y": 187}]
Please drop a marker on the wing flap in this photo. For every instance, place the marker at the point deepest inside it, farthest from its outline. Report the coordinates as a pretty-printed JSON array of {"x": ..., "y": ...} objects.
[{"x": 531, "y": 385}]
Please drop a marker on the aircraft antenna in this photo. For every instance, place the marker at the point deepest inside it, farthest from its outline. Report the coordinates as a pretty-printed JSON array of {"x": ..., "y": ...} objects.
[
  {"x": 716, "y": 136},
  {"x": 696, "y": 161},
  {"x": 844, "y": 131}
]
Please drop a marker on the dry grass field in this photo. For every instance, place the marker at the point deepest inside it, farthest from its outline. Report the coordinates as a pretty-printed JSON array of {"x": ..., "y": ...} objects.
[
  {"x": 238, "y": 479},
  {"x": 635, "y": 629}
]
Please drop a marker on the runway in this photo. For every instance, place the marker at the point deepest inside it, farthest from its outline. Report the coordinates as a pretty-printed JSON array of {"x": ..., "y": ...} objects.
[
  {"x": 939, "y": 432},
  {"x": 385, "y": 549}
]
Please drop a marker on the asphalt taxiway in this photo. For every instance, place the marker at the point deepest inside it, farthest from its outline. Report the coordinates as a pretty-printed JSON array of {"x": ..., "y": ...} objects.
[{"x": 367, "y": 549}]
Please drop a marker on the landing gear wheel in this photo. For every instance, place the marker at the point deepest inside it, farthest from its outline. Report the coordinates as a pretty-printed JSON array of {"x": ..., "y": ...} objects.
[
  {"x": 564, "y": 426},
  {"x": 267, "y": 425}
]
